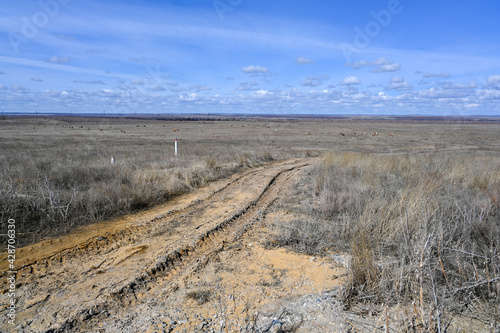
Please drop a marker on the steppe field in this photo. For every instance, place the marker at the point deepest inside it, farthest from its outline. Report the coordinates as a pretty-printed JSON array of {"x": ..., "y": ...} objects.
[{"x": 257, "y": 225}]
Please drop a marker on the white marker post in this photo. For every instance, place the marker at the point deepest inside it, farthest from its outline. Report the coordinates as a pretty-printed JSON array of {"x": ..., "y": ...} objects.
[
  {"x": 112, "y": 160},
  {"x": 176, "y": 146}
]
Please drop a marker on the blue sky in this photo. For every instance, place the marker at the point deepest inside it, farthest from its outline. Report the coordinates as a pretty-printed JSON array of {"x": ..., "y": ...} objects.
[{"x": 241, "y": 56}]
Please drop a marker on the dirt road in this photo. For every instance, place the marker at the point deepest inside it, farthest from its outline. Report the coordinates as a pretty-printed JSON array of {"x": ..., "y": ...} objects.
[{"x": 195, "y": 264}]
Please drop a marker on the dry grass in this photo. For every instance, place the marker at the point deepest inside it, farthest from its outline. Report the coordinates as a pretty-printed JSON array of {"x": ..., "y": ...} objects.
[
  {"x": 416, "y": 207},
  {"x": 421, "y": 229},
  {"x": 56, "y": 175}
]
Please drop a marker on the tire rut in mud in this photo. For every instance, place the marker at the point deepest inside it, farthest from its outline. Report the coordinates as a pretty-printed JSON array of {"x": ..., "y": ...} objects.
[
  {"x": 198, "y": 254},
  {"x": 57, "y": 271}
]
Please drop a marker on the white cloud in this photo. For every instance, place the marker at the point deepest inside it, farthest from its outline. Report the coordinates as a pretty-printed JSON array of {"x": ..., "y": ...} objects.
[
  {"x": 137, "y": 82},
  {"x": 245, "y": 86},
  {"x": 429, "y": 74},
  {"x": 358, "y": 64},
  {"x": 488, "y": 94},
  {"x": 314, "y": 81},
  {"x": 199, "y": 88},
  {"x": 387, "y": 68},
  {"x": 382, "y": 95},
  {"x": 363, "y": 63},
  {"x": 254, "y": 70},
  {"x": 189, "y": 97},
  {"x": 36, "y": 79},
  {"x": 349, "y": 99},
  {"x": 382, "y": 65},
  {"x": 350, "y": 80},
  {"x": 361, "y": 96},
  {"x": 350, "y": 91},
  {"x": 494, "y": 82},
  {"x": 399, "y": 83},
  {"x": 58, "y": 60},
  {"x": 262, "y": 93},
  {"x": 158, "y": 87},
  {"x": 18, "y": 89},
  {"x": 304, "y": 61},
  {"x": 433, "y": 93},
  {"x": 451, "y": 85},
  {"x": 127, "y": 87}
]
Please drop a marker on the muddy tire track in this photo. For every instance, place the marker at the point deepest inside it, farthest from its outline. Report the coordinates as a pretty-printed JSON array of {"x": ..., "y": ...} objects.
[
  {"x": 103, "y": 240},
  {"x": 78, "y": 287}
]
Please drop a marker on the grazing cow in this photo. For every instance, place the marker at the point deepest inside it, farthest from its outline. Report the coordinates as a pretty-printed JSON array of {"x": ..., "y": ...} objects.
[
  {"x": 391, "y": 134},
  {"x": 341, "y": 134}
]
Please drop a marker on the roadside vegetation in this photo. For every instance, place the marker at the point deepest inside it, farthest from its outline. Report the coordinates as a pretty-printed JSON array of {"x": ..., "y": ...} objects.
[
  {"x": 421, "y": 230},
  {"x": 53, "y": 194},
  {"x": 62, "y": 179}
]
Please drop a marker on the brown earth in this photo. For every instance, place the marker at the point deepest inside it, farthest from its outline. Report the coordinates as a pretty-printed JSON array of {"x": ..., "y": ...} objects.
[{"x": 196, "y": 264}]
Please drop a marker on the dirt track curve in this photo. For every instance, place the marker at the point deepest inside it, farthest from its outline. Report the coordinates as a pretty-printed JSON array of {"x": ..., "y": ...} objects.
[{"x": 79, "y": 282}]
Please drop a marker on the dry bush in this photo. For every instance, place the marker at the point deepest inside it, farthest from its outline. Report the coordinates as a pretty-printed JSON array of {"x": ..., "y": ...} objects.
[
  {"x": 302, "y": 235},
  {"x": 422, "y": 229},
  {"x": 200, "y": 296}
]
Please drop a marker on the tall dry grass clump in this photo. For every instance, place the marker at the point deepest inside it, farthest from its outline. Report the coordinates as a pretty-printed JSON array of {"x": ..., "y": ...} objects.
[{"x": 421, "y": 229}]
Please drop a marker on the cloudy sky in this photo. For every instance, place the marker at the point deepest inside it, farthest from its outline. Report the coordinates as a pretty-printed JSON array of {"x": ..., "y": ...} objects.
[{"x": 251, "y": 56}]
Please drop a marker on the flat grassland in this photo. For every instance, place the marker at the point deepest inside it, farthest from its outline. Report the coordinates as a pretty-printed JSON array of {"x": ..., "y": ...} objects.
[
  {"x": 414, "y": 205},
  {"x": 55, "y": 173}
]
